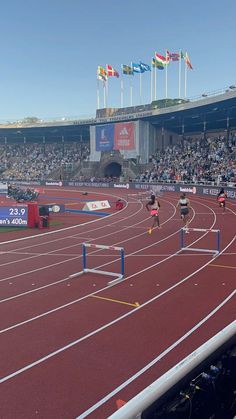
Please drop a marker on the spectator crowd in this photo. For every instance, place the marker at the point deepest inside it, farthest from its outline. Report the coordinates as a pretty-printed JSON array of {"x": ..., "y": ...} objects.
[
  {"x": 210, "y": 159},
  {"x": 38, "y": 161},
  {"x": 193, "y": 160}
]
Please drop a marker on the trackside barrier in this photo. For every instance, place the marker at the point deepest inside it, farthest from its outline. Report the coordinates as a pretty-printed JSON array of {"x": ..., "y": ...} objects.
[
  {"x": 184, "y": 230},
  {"x": 134, "y": 408},
  {"x": 119, "y": 276},
  {"x": 96, "y": 205}
]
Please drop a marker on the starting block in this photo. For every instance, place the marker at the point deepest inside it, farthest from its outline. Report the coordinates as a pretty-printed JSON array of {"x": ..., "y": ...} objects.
[{"x": 118, "y": 276}]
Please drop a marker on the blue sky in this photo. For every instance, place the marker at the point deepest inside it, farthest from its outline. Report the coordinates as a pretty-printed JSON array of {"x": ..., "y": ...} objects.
[{"x": 50, "y": 51}]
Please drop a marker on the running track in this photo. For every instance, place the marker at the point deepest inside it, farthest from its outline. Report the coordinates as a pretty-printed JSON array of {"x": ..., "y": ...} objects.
[{"x": 72, "y": 347}]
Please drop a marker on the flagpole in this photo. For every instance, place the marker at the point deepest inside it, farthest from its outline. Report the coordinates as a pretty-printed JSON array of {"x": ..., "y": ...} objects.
[
  {"x": 98, "y": 98},
  {"x": 166, "y": 77},
  {"x": 155, "y": 83},
  {"x": 140, "y": 88},
  {"x": 107, "y": 90},
  {"x": 180, "y": 58},
  {"x": 155, "y": 79},
  {"x": 131, "y": 93},
  {"x": 155, "y": 74},
  {"x": 121, "y": 92},
  {"x": 185, "y": 80},
  {"x": 151, "y": 82},
  {"x": 104, "y": 94}
]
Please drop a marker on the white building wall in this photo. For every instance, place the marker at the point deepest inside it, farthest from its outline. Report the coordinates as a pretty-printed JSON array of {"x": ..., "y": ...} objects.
[
  {"x": 147, "y": 140},
  {"x": 94, "y": 155}
]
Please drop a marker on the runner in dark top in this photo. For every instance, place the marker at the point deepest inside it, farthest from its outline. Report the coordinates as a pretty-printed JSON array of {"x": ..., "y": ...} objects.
[{"x": 184, "y": 205}]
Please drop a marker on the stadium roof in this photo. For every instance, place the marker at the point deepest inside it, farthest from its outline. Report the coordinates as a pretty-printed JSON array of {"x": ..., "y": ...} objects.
[{"x": 213, "y": 113}]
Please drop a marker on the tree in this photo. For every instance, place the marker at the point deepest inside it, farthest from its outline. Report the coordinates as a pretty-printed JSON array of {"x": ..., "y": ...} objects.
[{"x": 31, "y": 120}]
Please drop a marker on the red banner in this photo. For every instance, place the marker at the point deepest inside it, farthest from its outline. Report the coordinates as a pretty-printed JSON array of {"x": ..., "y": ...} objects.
[{"x": 124, "y": 136}]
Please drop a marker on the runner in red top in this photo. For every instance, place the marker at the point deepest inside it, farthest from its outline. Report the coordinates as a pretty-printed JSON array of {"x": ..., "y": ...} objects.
[
  {"x": 153, "y": 206},
  {"x": 221, "y": 198}
]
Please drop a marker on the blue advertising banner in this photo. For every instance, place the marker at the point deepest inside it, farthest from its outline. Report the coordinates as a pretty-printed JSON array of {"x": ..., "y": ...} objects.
[{"x": 105, "y": 137}]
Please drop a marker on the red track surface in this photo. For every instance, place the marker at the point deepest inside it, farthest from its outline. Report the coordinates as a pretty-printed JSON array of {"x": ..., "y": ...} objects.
[{"x": 66, "y": 352}]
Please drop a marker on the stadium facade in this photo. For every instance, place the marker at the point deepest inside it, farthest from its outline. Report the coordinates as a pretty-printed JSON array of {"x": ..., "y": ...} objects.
[{"x": 119, "y": 137}]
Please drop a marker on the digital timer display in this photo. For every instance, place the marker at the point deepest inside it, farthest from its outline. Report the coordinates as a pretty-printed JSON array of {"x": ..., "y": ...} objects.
[{"x": 13, "y": 215}]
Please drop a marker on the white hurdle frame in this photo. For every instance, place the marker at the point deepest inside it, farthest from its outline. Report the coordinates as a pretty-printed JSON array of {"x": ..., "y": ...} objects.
[
  {"x": 118, "y": 276},
  {"x": 203, "y": 230}
]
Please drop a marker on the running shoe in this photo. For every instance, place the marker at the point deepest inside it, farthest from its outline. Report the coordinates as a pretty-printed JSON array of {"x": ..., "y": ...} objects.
[{"x": 149, "y": 231}]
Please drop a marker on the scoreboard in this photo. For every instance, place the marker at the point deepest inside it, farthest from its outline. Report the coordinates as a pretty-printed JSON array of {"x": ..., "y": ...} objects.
[{"x": 14, "y": 215}]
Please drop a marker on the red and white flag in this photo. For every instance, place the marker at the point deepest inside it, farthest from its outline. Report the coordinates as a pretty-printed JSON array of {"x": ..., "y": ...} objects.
[{"x": 111, "y": 71}]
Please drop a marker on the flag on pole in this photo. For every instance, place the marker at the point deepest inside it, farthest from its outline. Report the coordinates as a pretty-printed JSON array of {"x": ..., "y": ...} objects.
[
  {"x": 137, "y": 68},
  {"x": 101, "y": 73},
  {"x": 126, "y": 69},
  {"x": 172, "y": 56},
  {"x": 111, "y": 71},
  {"x": 187, "y": 60},
  {"x": 101, "y": 77},
  {"x": 156, "y": 64},
  {"x": 161, "y": 59},
  {"x": 144, "y": 67}
]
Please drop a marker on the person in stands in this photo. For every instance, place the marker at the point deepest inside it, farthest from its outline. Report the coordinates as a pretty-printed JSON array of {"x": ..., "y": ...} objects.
[
  {"x": 153, "y": 207},
  {"x": 184, "y": 205},
  {"x": 221, "y": 198}
]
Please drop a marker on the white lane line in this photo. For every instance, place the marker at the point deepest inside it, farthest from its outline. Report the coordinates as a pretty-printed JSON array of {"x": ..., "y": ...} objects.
[
  {"x": 77, "y": 225},
  {"x": 49, "y": 253},
  {"x": 68, "y": 260},
  {"x": 155, "y": 360},
  {"x": 105, "y": 264},
  {"x": 71, "y": 227},
  {"x": 66, "y": 247},
  {"x": 65, "y": 279},
  {"x": 68, "y": 278},
  {"x": 52, "y": 354}
]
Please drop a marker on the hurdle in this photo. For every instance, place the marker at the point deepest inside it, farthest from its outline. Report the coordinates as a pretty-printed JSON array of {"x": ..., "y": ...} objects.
[
  {"x": 118, "y": 276},
  {"x": 214, "y": 252},
  {"x": 156, "y": 189}
]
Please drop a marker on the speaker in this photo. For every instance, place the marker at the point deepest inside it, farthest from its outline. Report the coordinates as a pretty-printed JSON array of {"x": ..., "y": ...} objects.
[
  {"x": 43, "y": 210},
  {"x": 45, "y": 222}
]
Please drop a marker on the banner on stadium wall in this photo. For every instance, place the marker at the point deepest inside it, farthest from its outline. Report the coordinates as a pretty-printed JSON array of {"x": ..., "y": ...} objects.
[
  {"x": 27, "y": 182},
  {"x": 104, "y": 135},
  {"x": 165, "y": 187},
  {"x": 89, "y": 184},
  {"x": 231, "y": 193},
  {"x": 188, "y": 189},
  {"x": 124, "y": 136}
]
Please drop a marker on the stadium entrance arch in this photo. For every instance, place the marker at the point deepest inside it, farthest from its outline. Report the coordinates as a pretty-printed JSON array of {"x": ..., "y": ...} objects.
[{"x": 113, "y": 169}]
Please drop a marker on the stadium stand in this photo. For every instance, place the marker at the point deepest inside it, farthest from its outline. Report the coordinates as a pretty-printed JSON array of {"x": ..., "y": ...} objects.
[
  {"x": 211, "y": 159},
  {"x": 201, "y": 160},
  {"x": 38, "y": 161}
]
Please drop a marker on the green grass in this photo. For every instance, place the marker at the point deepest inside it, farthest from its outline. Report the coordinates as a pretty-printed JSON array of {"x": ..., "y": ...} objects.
[
  {"x": 4, "y": 229},
  {"x": 9, "y": 229},
  {"x": 55, "y": 223}
]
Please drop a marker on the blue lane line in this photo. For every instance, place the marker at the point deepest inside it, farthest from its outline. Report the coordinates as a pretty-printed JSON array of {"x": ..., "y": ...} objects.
[
  {"x": 67, "y": 199},
  {"x": 101, "y": 214}
]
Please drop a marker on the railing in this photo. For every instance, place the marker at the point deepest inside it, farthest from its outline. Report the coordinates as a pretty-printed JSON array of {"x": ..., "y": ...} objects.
[{"x": 135, "y": 407}]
